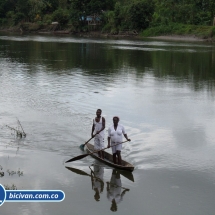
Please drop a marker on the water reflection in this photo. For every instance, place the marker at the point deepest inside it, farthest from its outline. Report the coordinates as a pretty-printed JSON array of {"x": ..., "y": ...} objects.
[
  {"x": 181, "y": 61},
  {"x": 169, "y": 112},
  {"x": 114, "y": 190},
  {"x": 114, "y": 187},
  {"x": 97, "y": 180}
]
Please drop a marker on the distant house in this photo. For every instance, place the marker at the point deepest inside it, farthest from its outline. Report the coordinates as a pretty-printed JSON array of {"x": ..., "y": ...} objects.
[{"x": 93, "y": 19}]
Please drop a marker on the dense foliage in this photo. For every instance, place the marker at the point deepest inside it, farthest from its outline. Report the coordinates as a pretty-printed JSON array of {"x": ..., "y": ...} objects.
[
  {"x": 115, "y": 15},
  {"x": 197, "y": 12}
]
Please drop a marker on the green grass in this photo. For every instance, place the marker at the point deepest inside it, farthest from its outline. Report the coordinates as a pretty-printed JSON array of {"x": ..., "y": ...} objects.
[{"x": 180, "y": 29}]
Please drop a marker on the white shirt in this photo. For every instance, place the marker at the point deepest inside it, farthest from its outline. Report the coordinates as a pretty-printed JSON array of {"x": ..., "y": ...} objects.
[
  {"x": 98, "y": 127},
  {"x": 116, "y": 135}
]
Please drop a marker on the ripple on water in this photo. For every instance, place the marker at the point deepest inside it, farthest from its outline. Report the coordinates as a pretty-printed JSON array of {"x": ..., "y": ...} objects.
[{"x": 56, "y": 105}]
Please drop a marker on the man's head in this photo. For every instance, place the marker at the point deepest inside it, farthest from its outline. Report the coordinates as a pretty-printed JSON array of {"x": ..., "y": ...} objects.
[
  {"x": 97, "y": 196},
  {"x": 113, "y": 206},
  {"x": 98, "y": 112},
  {"x": 115, "y": 120}
]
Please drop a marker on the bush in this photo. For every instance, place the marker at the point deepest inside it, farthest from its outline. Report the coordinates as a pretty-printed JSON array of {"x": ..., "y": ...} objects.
[
  {"x": 141, "y": 13},
  {"x": 106, "y": 28},
  {"x": 61, "y": 16},
  {"x": 3, "y": 21},
  {"x": 10, "y": 14},
  {"x": 213, "y": 32},
  {"x": 28, "y": 26},
  {"x": 18, "y": 17},
  {"x": 47, "y": 19}
]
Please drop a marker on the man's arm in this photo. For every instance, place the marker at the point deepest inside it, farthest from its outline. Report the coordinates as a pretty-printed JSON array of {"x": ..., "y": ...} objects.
[
  {"x": 125, "y": 135},
  {"x": 109, "y": 130},
  {"x": 123, "y": 193},
  {"x": 108, "y": 142}
]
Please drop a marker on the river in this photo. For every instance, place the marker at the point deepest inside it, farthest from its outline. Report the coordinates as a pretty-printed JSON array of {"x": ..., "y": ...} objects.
[{"x": 164, "y": 94}]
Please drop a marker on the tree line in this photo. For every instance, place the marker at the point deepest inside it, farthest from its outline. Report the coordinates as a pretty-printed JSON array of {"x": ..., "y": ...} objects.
[{"x": 115, "y": 15}]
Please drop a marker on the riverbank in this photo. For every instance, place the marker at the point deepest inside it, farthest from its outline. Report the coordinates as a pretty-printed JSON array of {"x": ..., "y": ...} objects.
[
  {"x": 180, "y": 38},
  {"x": 66, "y": 29},
  {"x": 176, "y": 32}
]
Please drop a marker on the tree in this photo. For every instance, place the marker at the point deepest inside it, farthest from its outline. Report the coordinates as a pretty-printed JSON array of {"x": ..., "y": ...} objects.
[
  {"x": 141, "y": 13},
  {"x": 36, "y": 7},
  {"x": 5, "y": 6}
]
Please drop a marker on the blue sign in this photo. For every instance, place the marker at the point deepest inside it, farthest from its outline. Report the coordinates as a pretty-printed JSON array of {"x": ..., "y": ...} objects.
[
  {"x": 34, "y": 195},
  {"x": 30, "y": 195},
  {"x": 2, "y": 195}
]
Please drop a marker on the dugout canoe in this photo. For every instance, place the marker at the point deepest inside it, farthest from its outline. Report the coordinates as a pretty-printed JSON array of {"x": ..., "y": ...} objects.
[{"x": 109, "y": 159}]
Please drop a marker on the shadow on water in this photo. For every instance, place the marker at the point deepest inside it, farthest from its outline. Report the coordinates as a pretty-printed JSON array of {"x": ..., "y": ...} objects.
[{"x": 114, "y": 188}]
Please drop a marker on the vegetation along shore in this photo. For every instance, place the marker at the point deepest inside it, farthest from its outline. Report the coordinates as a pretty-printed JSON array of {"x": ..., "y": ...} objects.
[{"x": 143, "y": 18}]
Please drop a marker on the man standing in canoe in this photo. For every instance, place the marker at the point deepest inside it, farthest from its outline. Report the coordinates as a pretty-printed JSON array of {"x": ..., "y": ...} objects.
[
  {"x": 98, "y": 132},
  {"x": 115, "y": 133}
]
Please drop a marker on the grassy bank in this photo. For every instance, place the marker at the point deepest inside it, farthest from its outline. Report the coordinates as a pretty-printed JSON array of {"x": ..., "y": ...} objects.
[
  {"x": 203, "y": 32},
  {"x": 174, "y": 29}
]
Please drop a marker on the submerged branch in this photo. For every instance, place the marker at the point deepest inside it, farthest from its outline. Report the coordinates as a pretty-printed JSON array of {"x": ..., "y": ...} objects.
[
  {"x": 23, "y": 132},
  {"x": 18, "y": 133}
]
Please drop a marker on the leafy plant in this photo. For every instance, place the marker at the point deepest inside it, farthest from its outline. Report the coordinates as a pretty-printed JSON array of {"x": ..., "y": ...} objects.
[
  {"x": 18, "y": 17},
  {"x": 61, "y": 16}
]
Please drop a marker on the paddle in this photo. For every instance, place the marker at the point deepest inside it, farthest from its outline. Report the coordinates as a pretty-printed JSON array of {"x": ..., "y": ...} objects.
[
  {"x": 82, "y": 145},
  {"x": 78, "y": 171},
  {"x": 85, "y": 155},
  {"x": 81, "y": 172}
]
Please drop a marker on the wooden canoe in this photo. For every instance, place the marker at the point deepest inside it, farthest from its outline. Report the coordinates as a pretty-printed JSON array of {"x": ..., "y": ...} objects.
[{"x": 109, "y": 159}]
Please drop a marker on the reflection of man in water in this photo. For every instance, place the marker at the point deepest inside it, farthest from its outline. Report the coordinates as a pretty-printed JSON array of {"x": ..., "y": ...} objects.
[
  {"x": 97, "y": 181},
  {"x": 114, "y": 190}
]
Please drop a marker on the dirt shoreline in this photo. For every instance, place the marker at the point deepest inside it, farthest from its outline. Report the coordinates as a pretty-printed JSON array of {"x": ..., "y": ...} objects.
[
  {"x": 188, "y": 38},
  {"x": 182, "y": 38}
]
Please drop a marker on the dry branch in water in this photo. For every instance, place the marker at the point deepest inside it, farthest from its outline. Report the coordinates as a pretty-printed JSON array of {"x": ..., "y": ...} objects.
[
  {"x": 23, "y": 132},
  {"x": 18, "y": 132}
]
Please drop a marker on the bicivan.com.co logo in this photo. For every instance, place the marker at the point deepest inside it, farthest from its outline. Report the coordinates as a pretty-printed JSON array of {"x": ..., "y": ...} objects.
[
  {"x": 30, "y": 195},
  {"x": 2, "y": 195}
]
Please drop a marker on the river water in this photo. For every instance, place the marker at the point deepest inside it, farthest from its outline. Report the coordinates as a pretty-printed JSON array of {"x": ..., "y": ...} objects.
[{"x": 164, "y": 93}]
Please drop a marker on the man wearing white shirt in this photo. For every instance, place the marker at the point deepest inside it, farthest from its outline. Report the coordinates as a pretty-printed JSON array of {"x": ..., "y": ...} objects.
[
  {"x": 115, "y": 133},
  {"x": 98, "y": 132}
]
